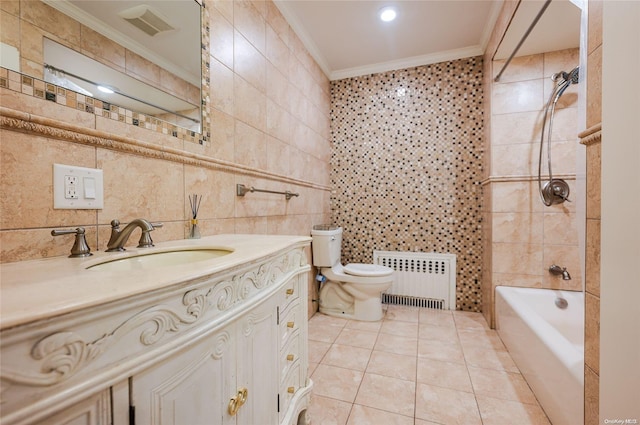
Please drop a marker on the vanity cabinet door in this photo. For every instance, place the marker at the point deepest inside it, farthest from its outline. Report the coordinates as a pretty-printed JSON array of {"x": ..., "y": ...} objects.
[
  {"x": 193, "y": 387},
  {"x": 256, "y": 368},
  {"x": 95, "y": 410}
]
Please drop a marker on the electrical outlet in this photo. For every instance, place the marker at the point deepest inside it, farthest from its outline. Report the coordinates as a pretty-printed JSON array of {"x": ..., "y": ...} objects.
[
  {"x": 77, "y": 187},
  {"x": 71, "y": 187}
]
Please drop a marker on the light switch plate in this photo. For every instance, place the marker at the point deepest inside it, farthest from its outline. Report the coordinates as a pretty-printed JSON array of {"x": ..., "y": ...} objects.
[{"x": 77, "y": 196}]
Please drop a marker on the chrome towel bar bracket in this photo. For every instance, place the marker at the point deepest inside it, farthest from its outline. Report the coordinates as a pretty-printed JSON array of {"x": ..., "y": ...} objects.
[{"x": 241, "y": 190}]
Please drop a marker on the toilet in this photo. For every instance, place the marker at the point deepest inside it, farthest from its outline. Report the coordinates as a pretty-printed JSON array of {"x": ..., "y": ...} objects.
[{"x": 352, "y": 291}]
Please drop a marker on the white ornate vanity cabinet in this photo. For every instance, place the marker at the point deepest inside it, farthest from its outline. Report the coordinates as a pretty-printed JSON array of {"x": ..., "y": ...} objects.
[{"x": 217, "y": 341}]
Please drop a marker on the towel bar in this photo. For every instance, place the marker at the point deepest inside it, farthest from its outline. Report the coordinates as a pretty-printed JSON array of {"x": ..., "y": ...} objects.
[{"x": 241, "y": 190}]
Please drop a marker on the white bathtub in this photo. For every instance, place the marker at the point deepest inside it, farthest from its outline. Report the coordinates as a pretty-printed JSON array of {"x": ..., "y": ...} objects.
[{"x": 547, "y": 345}]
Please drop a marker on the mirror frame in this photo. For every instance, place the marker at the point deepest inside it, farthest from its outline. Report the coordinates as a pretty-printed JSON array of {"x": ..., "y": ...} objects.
[{"x": 41, "y": 89}]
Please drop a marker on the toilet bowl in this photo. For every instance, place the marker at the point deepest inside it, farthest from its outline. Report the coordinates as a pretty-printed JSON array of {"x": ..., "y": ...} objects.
[{"x": 352, "y": 291}]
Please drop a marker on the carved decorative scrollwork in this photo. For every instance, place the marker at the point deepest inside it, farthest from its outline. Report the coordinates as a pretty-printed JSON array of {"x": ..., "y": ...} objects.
[
  {"x": 62, "y": 354},
  {"x": 220, "y": 345}
]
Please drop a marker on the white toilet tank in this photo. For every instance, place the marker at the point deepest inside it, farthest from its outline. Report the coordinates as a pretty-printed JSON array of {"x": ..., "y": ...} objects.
[{"x": 326, "y": 245}]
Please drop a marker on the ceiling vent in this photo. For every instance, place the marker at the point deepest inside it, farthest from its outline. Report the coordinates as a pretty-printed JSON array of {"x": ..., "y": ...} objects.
[{"x": 147, "y": 19}]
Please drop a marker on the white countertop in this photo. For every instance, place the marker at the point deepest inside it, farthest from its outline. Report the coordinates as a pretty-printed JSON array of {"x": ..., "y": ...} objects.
[{"x": 40, "y": 289}]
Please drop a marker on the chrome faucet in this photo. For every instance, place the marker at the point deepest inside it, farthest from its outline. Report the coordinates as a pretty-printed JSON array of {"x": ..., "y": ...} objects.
[
  {"x": 560, "y": 271},
  {"x": 119, "y": 237}
]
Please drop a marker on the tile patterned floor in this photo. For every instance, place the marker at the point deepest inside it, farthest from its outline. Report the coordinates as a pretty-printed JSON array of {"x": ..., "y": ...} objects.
[{"x": 415, "y": 367}]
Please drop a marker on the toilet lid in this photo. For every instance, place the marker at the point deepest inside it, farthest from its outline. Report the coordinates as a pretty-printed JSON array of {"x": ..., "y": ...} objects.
[{"x": 370, "y": 270}]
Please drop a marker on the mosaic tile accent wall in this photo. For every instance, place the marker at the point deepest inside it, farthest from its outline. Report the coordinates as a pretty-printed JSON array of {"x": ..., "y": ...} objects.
[{"x": 406, "y": 166}]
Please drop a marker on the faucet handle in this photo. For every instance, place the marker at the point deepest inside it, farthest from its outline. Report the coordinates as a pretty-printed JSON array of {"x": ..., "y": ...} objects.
[{"x": 80, "y": 247}]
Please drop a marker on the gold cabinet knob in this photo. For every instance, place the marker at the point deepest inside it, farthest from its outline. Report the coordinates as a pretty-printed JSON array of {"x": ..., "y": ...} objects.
[
  {"x": 237, "y": 401},
  {"x": 291, "y": 390},
  {"x": 290, "y": 324},
  {"x": 289, "y": 291},
  {"x": 233, "y": 406},
  {"x": 290, "y": 357},
  {"x": 243, "y": 393}
]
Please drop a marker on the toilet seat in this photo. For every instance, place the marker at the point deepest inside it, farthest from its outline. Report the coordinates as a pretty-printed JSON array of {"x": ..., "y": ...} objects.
[
  {"x": 337, "y": 273},
  {"x": 367, "y": 270}
]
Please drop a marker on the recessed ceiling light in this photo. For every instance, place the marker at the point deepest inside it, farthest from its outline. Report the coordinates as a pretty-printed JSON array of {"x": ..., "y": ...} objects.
[{"x": 387, "y": 14}]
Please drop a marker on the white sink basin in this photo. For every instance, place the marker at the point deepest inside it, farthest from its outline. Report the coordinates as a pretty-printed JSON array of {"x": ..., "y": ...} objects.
[{"x": 153, "y": 260}]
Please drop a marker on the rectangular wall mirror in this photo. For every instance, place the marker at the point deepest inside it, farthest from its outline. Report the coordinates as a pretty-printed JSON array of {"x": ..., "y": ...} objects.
[{"x": 139, "y": 61}]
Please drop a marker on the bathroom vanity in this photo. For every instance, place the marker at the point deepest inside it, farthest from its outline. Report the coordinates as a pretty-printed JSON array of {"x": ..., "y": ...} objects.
[{"x": 208, "y": 331}]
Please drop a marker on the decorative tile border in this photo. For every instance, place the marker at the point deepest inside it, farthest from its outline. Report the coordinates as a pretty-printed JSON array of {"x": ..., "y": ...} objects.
[
  {"x": 28, "y": 123},
  {"x": 592, "y": 135}
]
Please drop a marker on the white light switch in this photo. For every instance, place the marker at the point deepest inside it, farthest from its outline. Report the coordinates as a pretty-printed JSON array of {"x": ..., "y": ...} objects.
[
  {"x": 89, "y": 187},
  {"x": 77, "y": 187}
]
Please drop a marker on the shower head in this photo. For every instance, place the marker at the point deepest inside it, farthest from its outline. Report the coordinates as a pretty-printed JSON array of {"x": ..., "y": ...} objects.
[
  {"x": 574, "y": 75},
  {"x": 570, "y": 77}
]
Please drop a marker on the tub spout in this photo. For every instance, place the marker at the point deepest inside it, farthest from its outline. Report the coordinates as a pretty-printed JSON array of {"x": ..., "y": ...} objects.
[{"x": 554, "y": 269}]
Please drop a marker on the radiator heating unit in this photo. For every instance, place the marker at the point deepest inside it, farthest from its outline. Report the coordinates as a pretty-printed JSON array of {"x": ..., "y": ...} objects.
[{"x": 421, "y": 279}]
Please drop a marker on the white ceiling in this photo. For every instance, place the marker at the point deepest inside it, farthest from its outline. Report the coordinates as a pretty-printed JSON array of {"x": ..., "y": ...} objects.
[{"x": 347, "y": 39}]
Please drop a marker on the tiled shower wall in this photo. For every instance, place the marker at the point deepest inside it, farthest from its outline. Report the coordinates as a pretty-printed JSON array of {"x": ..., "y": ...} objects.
[
  {"x": 406, "y": 165},
  {"x": 525, "y": 237}
]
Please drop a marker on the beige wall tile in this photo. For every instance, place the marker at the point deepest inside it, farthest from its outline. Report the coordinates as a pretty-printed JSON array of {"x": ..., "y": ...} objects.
[
  {"x": 278, "y": 122},
  {"x": 27, "y": 181},
  {"x": 594, "y": 153},
  {"x": 516, "y": 197},
  {"x": 217, "y": 189},
  {"x": 595, "y": 25},
  {"x": 225, "y": 7},
  {"x": 223, "y": 131},
  {"x": 516, "y": 279},
  {"x": 221, "y": 47},
  {"x": 517, "y": 258},
  {"x": 591, "y": 397},
  {"x": 592, "y": 257},
  {"x": 521, "y": 127},
  {"x": 517, "y": 97},
  {"x": 51, "y": 21},
  {"x": 594, "y": 87},
  {"x": 277, "y": 51},
  {"x": 248, "y": 62},
  {"x": 277, "y": 156},
  {"x": 222, "y": 88},
  {"x": 10, "y": 29},
  {"x": 251, "y": 24},
  {"x": 16, "y": 245},
  {"x": 155, "y": 191},
  {"x": 277, "y": 22},
  {"x": 592, "y": 333},
  {"x": 10, "y": 6},
  {"x": 560, "y": 60},
  {"x": 250, "y": 146},
  {"x": 251, "y": 225},
  {"x": 517, "y": 227},
  {"x": 521, "y": 68},
  {"x": 515, "y": 159},
  {"x": 560, "y": 229},
  {"x": 278, "y": 87},
  {"x": 250, "y": 105}
]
